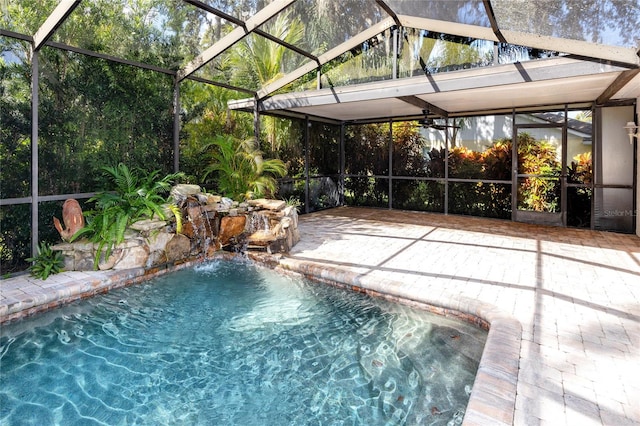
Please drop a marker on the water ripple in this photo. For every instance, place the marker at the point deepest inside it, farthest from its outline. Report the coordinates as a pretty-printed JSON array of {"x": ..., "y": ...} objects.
[{"x": 230, "y": 343}]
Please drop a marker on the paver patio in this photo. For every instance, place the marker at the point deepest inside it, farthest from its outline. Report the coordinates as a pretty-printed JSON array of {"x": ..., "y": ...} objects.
[{"x": 576, "y": 294}]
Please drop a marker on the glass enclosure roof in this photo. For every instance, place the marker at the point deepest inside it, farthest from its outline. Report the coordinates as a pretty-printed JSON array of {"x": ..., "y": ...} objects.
[
  {"x": 607, "y": 22},
  {"x": 283, "y": 42},
  {"x": 149, "y": 33},
  {"x": 326, "y": 24},
  {"x": 471, "y": 12},
  {"x": 238, "y": 10}
]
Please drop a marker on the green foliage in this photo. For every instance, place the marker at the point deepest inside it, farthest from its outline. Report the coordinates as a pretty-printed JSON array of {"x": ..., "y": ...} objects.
[
  {"x": 579, "y": 198},
  {"x": 15, "y": 130},
  {"x": 408, "y": 150},
  {"x": 367, "y": 155},
  {"x": 581, "y": 169},
  {"x": 15, "y": 233},
  {"x": 136, "y": 195},
  {"x": 418, "y": 195},
  {"x": 497, "y": 160},
  {"x": 465, "y": 163},
  {"x": 46, "y": 262},
  {"x": 538, "y": 157},
  {"x": 294, "y": 202},
  {"x": 206, "y": 114},
  {"x": 538, "y": 192},
  {"x": 83, "y": 103},
  {"x": 366, "y": 191},
  {"x": 239, "y": 169}
]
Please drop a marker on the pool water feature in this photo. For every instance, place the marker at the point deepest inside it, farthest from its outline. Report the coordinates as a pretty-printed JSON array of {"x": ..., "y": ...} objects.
[{"x": 233, "y": 343}]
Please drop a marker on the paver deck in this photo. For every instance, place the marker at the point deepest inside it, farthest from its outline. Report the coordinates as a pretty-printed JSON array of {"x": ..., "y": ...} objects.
[{"x": 576, "y": 294}]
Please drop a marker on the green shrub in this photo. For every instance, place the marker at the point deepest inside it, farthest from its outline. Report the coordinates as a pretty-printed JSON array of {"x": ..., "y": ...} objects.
[
  {"x": 46, "y": 262},
  {"x": 240, "y": 170},
  {"x": 136, "y": 195}
]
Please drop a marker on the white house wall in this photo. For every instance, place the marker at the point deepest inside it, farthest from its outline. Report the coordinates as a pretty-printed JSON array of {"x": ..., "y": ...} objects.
[{"x": 614, "y": 203}]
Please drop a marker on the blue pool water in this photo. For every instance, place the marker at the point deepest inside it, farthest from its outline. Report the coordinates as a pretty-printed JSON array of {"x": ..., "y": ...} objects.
[{"x": 231, "y": 343}]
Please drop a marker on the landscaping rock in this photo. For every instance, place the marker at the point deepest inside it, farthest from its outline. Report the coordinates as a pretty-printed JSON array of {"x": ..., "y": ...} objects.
[
  {"x": 133, "y": 257},
  {"x": 182, "y": 191},
  {"x": 209, "y": 223},
  {"x": 159, "y": 241},
  {"x": 147, "y": 225},
  {"x": 230, "y": 226},
  {"x": 275, "y": 205},
  {"x": 178, "y": 248}
]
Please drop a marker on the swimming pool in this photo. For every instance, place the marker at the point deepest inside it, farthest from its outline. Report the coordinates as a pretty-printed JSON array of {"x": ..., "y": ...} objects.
[{"x": 233, "y": 343}]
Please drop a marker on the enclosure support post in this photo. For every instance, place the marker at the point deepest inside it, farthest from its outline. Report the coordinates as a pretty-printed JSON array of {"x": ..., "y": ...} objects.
[
  {"x": 563, "y": 173},
  {"x": 514, "y": 166},
  {"x": 390, "y": 164},
  {"x": 595, "y": 162},
  {"x": 307, "y": 124},
  {"x": 342, "y": 164},
  {"x": 34, "y": 152},
  {"x": 256, "y": 122},
  {"x": 176, "y": 125},
  {"x": 396, "y": 33},
  {"x": 446, "y": 166}
]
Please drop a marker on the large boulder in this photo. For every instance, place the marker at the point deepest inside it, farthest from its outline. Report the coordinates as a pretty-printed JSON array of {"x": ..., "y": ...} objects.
[
  {"x": 131, "y": 253},
  {"x": 275, "y": 205},
  {"x": 230, "y": 226},
  {"x": 182, "y": 191},
  {"x": 178, "y": 248}
]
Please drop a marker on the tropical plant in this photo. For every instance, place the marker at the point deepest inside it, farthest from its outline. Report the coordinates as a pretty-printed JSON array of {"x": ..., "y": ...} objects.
[
  {"x": 136, "y": 195},
  {"x": 538, "y": 158},
  {"x": 294, "y": 202},
  {"x": 258, "y": 61},
  {"x": 464, "y": 163},
  {"x": 46, "y": 262},
  {"x": 581, "y": 169},
  {"x": 240, "y": 170}
]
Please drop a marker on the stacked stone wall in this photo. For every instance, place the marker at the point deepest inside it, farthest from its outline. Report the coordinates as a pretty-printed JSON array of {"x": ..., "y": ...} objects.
[{"x": 210, "y": 223}]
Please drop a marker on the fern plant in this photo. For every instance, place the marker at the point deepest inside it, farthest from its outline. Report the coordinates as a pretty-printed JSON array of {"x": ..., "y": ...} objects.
[
  {"x": 241, "y": 171},
  {"x": 136, "y": 195},
  {"x": 46, "y": 262}
]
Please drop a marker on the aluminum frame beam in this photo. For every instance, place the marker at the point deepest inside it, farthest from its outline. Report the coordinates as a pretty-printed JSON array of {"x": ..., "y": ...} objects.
[
  {"x": 258, "y": 31},
  {"x": 620, "y": 82},
  {"x": 424, "y": 105},
  {"x": 54, "y": 20},
  {"x": 233, "y": 37},
  {"x": 502, "y": 75},
  {"x": 35, "y": 163},
  {"x": 446, "y": 27},
  {"x": 326, "y": 57},
  {"x": 488, "y": 8},
  {"x": 577, "y": 47},
  {"x": 618, "y": 54},
  {"x": 389, "y": 11}
]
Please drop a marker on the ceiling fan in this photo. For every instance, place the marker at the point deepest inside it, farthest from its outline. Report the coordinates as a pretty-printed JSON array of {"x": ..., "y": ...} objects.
[{"x": 430, "y": 123}]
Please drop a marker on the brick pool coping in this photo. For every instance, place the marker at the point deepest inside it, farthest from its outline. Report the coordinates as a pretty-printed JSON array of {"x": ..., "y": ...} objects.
[
  {"x": 492, "y": 400},
  {"x": 23, "y": 295}
]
